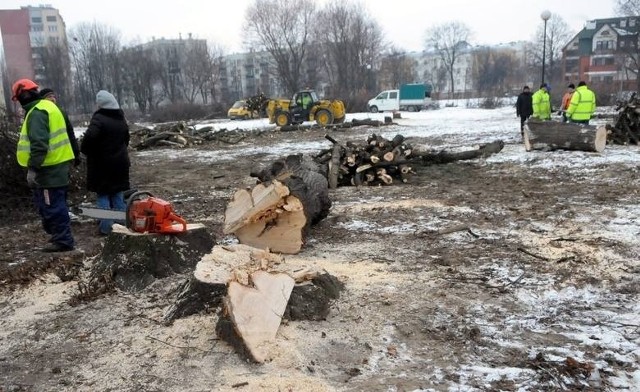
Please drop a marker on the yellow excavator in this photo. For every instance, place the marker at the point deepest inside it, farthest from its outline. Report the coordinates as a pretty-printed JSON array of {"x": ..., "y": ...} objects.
[{"x": 305, "y": 106}]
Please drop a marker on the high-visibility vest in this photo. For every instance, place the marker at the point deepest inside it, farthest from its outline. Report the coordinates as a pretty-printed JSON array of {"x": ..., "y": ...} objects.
[
  {"x": 541, "y": 105},
  {"x": 59, "y": 145},
  {"x": 583, "y": 104}
]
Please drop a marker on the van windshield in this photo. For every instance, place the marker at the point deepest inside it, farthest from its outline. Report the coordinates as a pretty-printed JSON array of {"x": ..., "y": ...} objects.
[
  {"x": 382, "y": 95},
  {"x": 238, "y": 104}
]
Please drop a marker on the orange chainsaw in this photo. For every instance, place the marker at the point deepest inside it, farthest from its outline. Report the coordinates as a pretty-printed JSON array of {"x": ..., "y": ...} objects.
[{"x": 145, "y": 214}]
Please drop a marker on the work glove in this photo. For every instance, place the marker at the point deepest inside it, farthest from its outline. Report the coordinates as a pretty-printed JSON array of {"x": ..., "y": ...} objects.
[
  {"x": 31, "y": 178},
  {"x": 560, "y": 113}
]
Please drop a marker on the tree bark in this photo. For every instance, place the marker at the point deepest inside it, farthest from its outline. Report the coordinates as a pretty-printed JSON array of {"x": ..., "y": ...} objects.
[
  {"x": 551, "y": 135},
  {"x": 135, "y": 260},
  {"x": 440, "y": 157}
]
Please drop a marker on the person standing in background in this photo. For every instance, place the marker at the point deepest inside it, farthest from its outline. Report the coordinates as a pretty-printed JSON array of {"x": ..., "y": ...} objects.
[
  {"x": 542, "y": 103},
  {"x": 105, "y": 144},
  {"x": 582, "y": 105},
  {"x": 566, "y": 99},
  {"x": 524, "y": 108}
]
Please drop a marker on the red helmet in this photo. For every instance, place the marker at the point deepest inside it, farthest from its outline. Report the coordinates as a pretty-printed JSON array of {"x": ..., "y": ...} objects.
[{"x": 22, "y": 85}]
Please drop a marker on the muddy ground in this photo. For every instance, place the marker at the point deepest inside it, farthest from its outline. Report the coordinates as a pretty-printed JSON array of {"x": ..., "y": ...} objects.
[{"x": 536, "y": 290}]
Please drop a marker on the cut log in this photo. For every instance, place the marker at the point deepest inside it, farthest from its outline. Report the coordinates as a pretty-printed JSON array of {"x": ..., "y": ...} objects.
[
  {"x": 267, "y": 217},
  {"x": 207, "y": 286},
  {"x": 440, "y": 157},
  {"x": 251, "y": 314},
  {"x": 551, "y": 135},
  {"x": 134, "y": 260}
]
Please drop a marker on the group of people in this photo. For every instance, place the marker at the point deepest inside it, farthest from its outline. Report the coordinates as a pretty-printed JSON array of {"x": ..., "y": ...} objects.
[
  {"x": 47, "y": 147},
  {"x": 578, "y": 104}
]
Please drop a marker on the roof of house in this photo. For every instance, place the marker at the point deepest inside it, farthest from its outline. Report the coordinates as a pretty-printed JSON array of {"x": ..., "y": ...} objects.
[{"x": 593, "y": 26}]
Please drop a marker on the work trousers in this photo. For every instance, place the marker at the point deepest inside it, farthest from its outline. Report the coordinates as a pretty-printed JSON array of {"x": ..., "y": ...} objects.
[
  {"x": 113, "y": 201},
  {"x": 52, "y": 207}
]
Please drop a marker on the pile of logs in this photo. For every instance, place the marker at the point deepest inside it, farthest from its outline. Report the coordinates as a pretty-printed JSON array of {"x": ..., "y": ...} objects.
[
  {"x": 626, "y": 129},
  {"x": 378, "y": 161},
  {"x": 181, "y": 135}
]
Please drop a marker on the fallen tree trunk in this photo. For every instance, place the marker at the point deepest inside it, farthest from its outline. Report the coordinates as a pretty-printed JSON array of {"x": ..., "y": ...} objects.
[
  {"x": 551, "y": 135},
  {"x": 441, "y": 157}
]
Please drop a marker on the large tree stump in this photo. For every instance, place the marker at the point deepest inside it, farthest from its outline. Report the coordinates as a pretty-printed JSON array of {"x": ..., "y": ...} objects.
[
  {"x": 276, "y": 213},
  {"x": 204, "y": 291},
  {"x": 551, "y": 135},
  {"x": 135, "y": 260}
]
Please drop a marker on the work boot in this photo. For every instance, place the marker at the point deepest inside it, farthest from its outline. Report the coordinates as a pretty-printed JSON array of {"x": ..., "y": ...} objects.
[{"x": 55, "y": 247}]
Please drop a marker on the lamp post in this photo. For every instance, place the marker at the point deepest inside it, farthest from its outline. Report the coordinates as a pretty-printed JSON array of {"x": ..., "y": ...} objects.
[{"x": 545, "y": 15}]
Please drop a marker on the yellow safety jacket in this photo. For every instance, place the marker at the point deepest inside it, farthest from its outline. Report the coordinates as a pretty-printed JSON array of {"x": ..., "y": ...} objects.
[
  {"x": 59, "y": 145},
  {"x": 541, "y": 105},
  {"x": 582, "y": 105}
]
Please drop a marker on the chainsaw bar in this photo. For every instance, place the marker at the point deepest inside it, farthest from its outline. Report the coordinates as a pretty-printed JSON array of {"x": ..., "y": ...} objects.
[{"x": 101, "y": 213}]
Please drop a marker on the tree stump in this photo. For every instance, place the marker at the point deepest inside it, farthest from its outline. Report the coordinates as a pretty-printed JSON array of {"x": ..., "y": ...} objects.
[
  {"x": 135, "y": 260},
  {"x": 551, "y": 135},
  {"x": 204, "y": 291}
]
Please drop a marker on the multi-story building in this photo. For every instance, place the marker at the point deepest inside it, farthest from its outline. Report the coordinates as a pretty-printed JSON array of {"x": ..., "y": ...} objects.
[
  {"x": 600, "y": 54},
  {"x": 26, "y": 33},
  {"x": 245, "y": 74}
]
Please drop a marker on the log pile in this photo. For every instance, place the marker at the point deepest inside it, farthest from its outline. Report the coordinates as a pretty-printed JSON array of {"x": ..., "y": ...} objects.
[
  {"x": 180, "y": 135},
  {"x": 626, "y": 127},
  {"x": 380, "y": 161}
]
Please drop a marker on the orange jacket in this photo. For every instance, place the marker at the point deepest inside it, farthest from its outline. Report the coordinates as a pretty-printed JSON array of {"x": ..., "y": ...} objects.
[{"x": 566, "y": 99}]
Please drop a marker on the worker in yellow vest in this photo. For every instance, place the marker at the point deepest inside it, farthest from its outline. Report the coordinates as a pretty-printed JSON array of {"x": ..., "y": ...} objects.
[
  {"x": 582, "y": 105},
  {"x": 44, "y": 149},
  {"x": 541, "y": 103}
]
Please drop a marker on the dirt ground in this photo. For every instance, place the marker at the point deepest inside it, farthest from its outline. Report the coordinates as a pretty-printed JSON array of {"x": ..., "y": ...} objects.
[{"x": 533, "y": 288}]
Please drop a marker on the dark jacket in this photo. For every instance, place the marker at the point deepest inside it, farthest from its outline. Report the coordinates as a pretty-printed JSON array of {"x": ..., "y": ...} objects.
[
  {"x": 38, "y": 130},
  {"x": 524, "y": 105},
  {"x": 105, "y": 145}
]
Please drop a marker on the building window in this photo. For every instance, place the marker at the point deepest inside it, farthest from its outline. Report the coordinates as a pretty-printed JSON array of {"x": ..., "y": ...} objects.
[
  {"x": 52, "y": 18},
  {"x": 53, "y": 29},
  {"x": 36, "y": 19},
  {"x": 623, "y": 23},
  {"x": 622, "y": 44},
  {"x": 632, "y": 22},
  {"x": 37, "y": 28}
]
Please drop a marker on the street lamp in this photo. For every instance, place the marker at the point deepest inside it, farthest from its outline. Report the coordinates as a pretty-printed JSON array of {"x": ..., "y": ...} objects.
[{"x": 545, "y": 15}]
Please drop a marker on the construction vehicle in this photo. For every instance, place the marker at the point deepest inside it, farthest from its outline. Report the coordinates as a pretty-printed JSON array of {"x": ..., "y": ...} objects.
[
  {"x": 305, "y": 106},
  {"x": 145, "y": 214}
]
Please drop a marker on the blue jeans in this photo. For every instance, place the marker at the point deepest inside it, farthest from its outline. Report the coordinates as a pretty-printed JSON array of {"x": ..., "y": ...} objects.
[
  {"x": 52, "y": 207},
  {"x": 113, "y": 201}
]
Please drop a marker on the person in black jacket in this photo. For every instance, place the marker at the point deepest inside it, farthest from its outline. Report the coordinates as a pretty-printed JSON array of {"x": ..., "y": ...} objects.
[
  {"x": 524, "y": 107},
  {"x": 47, "y": 93},
  {"x": 105, "y": 145}
]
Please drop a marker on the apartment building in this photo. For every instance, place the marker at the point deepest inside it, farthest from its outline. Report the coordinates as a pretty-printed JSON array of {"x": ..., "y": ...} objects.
[
  {"x": 246, "y": 74},
  {"x": 26, "y": 33},
  {"x": 602, "y": 54}
]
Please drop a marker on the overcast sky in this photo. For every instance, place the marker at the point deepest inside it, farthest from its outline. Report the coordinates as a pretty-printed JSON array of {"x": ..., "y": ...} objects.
[{"x": 404, "y": 21}]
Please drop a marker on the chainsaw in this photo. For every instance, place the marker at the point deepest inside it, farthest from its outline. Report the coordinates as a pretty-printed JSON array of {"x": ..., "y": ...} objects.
[{"x": 145, "y": 214}]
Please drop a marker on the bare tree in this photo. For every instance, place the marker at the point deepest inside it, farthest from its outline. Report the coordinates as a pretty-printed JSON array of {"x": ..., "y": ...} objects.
[
  {"x": 282, "y": 28},
  {"x": 395, "y": 69},
  {"x": 629, "y": 45},
  {"x": 351, "y": 42},
  {"x": 627, "y": 7},
  {"x": 210, "y": 88},
  {"x": 493, "y": 70},
  {"x": 558, "y": 35},
  {"x": 95, "y": 53},
  {"x": 196, "y": 69},
  {"x": 142, "y": 74},
  {"x": 55, "y": 69},
  {"x": 448, "y": 40}
]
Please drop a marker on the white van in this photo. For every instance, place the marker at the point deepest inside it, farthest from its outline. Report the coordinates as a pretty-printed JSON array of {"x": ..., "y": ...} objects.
[{"x": 385, "y": 101}]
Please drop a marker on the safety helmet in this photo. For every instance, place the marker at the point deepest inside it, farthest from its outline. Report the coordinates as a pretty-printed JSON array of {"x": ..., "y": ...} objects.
[{"x": 22, "y": 85}]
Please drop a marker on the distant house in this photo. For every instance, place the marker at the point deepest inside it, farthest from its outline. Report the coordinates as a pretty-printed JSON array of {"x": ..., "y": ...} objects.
[{"x": 601, "y": 54}]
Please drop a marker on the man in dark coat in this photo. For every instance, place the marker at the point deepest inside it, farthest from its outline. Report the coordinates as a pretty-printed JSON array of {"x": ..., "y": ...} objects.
[
  {"x": 524, "y": 107},
  {"x": 105, "y": 145},
  {"x": 47, "y": 93}
]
